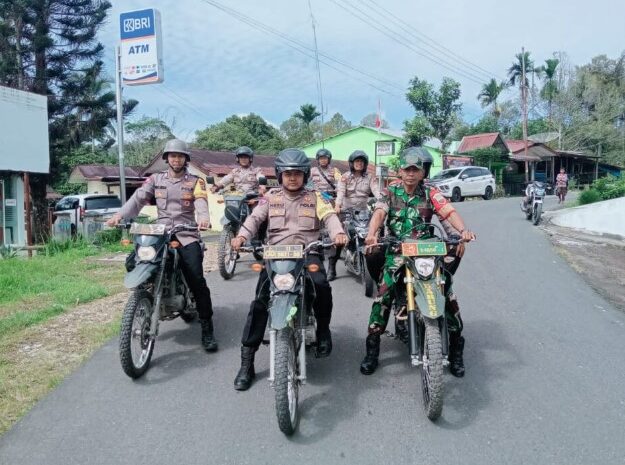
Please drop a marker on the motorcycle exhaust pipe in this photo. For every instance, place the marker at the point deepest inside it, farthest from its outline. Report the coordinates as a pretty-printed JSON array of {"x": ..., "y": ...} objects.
[{"x": 272, "y": 354}]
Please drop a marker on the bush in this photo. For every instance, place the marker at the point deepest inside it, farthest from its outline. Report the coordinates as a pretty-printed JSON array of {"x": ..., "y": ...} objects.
[
  {"x": 589, "y": 196},
  {"x": 610, "y": 187},
  {"x": 108, "y": 236},
  {"x": 55, "y": 247}
]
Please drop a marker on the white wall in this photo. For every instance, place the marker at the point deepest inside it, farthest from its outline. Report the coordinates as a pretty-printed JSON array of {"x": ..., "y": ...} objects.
[{"x": 607, "y": 217}]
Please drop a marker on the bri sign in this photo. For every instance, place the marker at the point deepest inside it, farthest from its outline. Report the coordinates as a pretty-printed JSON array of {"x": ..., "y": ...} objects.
[{"x": 141, "y": 47}]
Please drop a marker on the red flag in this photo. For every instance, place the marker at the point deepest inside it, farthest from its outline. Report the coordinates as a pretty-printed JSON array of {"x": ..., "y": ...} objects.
[{"x": 378, "y": 118}]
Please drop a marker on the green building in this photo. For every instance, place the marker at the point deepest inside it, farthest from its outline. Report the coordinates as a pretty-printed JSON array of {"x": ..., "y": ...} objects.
[{"x": 365, "y": 138}]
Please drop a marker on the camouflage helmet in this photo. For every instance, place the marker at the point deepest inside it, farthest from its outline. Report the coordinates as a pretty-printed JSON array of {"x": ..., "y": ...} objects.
[
  {"x": 356, "y": 154},
  {"x": 419, "y": 157},
  {"x": 176, "y": 146},
  {"x": 292, "y": 159},
  {"x": 244, "y": 151},
  {"x": 323, "y": 153}
]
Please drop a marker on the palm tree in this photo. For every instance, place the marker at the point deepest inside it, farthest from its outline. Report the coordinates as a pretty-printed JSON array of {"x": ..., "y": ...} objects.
[
  {"x": 516, "y": 70},
  {"x": 550, "y": 89},
  {"x": 307, "y": 114},
  {"x": 490, "y": 93}
]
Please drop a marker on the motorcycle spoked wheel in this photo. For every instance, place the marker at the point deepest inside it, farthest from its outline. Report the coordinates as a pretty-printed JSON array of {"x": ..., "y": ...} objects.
[
  {"x": 538, "y": 209},
  {"x": 286, "y": 382},
  {"x": 226, "y": 257},
  {"x": 366, "y": 278},
  {"x": 432, "y": 370},
  {"x": 135, "y": 344}
]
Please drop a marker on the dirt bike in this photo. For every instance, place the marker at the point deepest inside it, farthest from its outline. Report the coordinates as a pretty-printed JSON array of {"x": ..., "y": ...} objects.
[
  {"x": 159, "y": 292},
  {"x": 292, "y": 326},
  {"x": 356, "y": 225},
  {"x": 533, "y": 208},
  {"x": 419, "y": 310},
  {"x": 238, "y": 206}
]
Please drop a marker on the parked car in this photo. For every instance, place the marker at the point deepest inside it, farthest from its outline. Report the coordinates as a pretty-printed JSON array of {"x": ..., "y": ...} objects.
[
  {"x": 466, "y": 181},
  {"x": 83, "y": 213}
]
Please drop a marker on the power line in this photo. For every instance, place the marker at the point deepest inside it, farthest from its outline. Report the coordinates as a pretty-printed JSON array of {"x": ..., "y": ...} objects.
[
  {"x": 410, "y": 29},
  {"x": 306, "y": 50},
  {"x": 355, "y": 11}
]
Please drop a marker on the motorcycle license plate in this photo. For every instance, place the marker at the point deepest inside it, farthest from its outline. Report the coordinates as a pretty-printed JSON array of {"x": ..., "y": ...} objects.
[
  {"x": 147, "y": 229},
  {"x": 282, "y": 252},
  {"x": 418, "y": 249}
]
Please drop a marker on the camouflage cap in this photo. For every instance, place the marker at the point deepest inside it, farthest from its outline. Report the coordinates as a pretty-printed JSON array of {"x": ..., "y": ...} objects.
[{"x": 414, "y": 156}]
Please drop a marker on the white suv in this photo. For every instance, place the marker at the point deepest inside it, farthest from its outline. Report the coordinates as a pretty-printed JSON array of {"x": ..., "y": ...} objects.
[
  {"x": 83, "y": 214},
  {"x": 465, "y": 181}
]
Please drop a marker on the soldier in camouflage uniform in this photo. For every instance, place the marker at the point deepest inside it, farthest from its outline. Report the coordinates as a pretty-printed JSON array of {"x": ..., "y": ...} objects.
[
  {"x": 179, "y": 197},
  {"x": 245, "y": 178},
  {"x": 294, "y": 215},
  {"x": 408, "y": 207},
  {"x": 353, "y": 191}
]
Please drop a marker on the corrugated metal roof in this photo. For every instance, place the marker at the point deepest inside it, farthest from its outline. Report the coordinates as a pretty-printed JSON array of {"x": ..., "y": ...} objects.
[
  {"x": 478, "y": 141},
  {"x": 536, "y": 151},
  {"x": 82, "y": 173}
]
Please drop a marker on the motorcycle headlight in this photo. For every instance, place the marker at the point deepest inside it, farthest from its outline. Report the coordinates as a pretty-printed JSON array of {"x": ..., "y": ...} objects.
[
  {"x": 146, "y": 254},
  {"x": 424, "y": 266},
  {"x": 283, "y": 282}
]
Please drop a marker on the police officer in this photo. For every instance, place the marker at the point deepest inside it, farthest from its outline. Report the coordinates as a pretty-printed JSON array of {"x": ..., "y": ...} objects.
[
  {"x": 325, "y": 178},
  {"x": 180, "y": 197},
  {"x": 406, "y": 208},
  {"x": 245, "y": 178},
  {"x": 294, "y": 216},
  {"x": 353, "y": 191}
]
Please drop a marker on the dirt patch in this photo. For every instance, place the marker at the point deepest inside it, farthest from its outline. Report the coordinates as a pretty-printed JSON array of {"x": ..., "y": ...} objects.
[
  {"x": 36, "y": 359},
  {"x": 602, "y": 264}
]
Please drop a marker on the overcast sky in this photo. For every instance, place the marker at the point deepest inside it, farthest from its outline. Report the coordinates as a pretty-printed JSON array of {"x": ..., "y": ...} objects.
[{"x": 216, "y": 65}]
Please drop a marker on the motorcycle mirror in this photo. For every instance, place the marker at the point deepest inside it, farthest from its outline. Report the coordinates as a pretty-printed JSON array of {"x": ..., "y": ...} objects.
[
  {"x": 210, "y": 180},
  {"x": 262, "y": 181}
]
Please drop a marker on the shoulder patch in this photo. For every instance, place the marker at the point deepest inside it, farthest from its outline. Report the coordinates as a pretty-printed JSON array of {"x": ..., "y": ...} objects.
[{"x": 323, "y": 207}]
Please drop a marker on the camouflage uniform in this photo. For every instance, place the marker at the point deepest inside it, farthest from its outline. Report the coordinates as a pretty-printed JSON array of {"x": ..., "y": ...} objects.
[
  {"x": 244, "y": 179},
  {"x": 408, "y": 217}
]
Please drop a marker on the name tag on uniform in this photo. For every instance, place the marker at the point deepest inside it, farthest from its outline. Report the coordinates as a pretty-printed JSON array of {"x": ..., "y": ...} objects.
[
  {"x": 276, "y": 211},
  {"x": 187, "y": 196}
]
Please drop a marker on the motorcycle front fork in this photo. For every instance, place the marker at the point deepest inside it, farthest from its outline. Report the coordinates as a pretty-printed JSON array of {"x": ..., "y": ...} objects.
[{"x": 301, "y": 356}]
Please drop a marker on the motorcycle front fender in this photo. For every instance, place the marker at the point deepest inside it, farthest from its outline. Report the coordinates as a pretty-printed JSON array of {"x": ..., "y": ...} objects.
[
  {"x": 282, "y": 309},
  {"x": 141, "y": 273},
  {"x": 430, "y": 300}
]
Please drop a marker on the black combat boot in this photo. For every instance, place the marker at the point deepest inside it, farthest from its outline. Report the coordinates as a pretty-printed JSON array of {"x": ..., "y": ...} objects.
[
  {"x": 208, "y": 339},
  {"x": 332, "y": 268},
  {"x": 246, "y": 374},
  {"x": 370, "y": 362},
  {"x": 456, "y": 347},
  {"x": 324, "y": 343}
]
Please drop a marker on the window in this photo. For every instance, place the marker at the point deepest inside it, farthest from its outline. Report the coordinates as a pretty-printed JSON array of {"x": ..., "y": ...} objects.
[
  {"x": 100, "y": 203},
  {"x": 447, "y": 174},
  {"x": 66, "y": 203}
]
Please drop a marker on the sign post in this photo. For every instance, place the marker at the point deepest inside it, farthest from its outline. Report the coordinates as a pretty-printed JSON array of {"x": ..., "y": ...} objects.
[{"x": 138, "y": 61}]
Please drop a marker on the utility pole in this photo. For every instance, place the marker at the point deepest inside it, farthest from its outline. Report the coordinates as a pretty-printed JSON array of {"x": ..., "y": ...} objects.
[
  {"x": 524, "y": 104},
  {"x": 312, "y": 20},
  {"x": 120, "y": 124}
]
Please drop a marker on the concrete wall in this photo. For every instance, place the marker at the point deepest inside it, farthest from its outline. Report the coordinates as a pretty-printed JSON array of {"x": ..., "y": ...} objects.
[{"x": 607, "y": 217}]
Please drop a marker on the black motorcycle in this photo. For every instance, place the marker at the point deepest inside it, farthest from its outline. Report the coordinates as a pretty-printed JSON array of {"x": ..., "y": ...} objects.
[
  {"x": 292, "y": 326},
  {"x": 158, "y": 292},
  {"x": 237, "y": 207},
  {"x": 356, "y": 222}
]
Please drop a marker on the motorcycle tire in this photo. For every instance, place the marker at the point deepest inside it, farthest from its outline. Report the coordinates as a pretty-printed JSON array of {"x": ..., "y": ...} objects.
[
  {"x": 366, "y": 278},
  {"x": 135, "y": 344},
  {"x": 536, "y": 214},
  {"x": 226, "y": 262},
  {"x": 286, "y": 383},
  {"x": 432, "y": 370}
]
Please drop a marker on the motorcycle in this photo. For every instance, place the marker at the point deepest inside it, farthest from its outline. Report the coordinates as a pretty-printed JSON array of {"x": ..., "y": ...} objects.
[
  {"x": 533, "y": 208},
  {"x": 356, "y": 225},
  {"x": 419, "y": 310},
  {"x": 237, "y": 209},
  {"x": 159, "y": 292},
  {"x": 292, "y": 326}
]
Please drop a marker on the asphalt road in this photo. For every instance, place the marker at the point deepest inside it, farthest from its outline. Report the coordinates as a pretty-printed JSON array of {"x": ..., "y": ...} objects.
[{"x": 545, "y": 382}]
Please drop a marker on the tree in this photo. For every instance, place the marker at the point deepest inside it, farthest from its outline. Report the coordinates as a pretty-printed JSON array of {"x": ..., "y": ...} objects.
[
  {"x": 294, "y": 132},
  {"x": 336, "y": 125},
  {"x": 49, "y": 47},
  {"x": 147, "y": 136},
  {"x": 370, "y": 119},
  {"x": 515, "y": 71},
  {"x": 307, "y": 114},
  {"x": 250, "y": 130},
  {"x": 438, "y": 108},
  {"x": 489, "y": 94},
  {"x": 416, "y": 131},
  {"x": 550, "y": 88}
]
